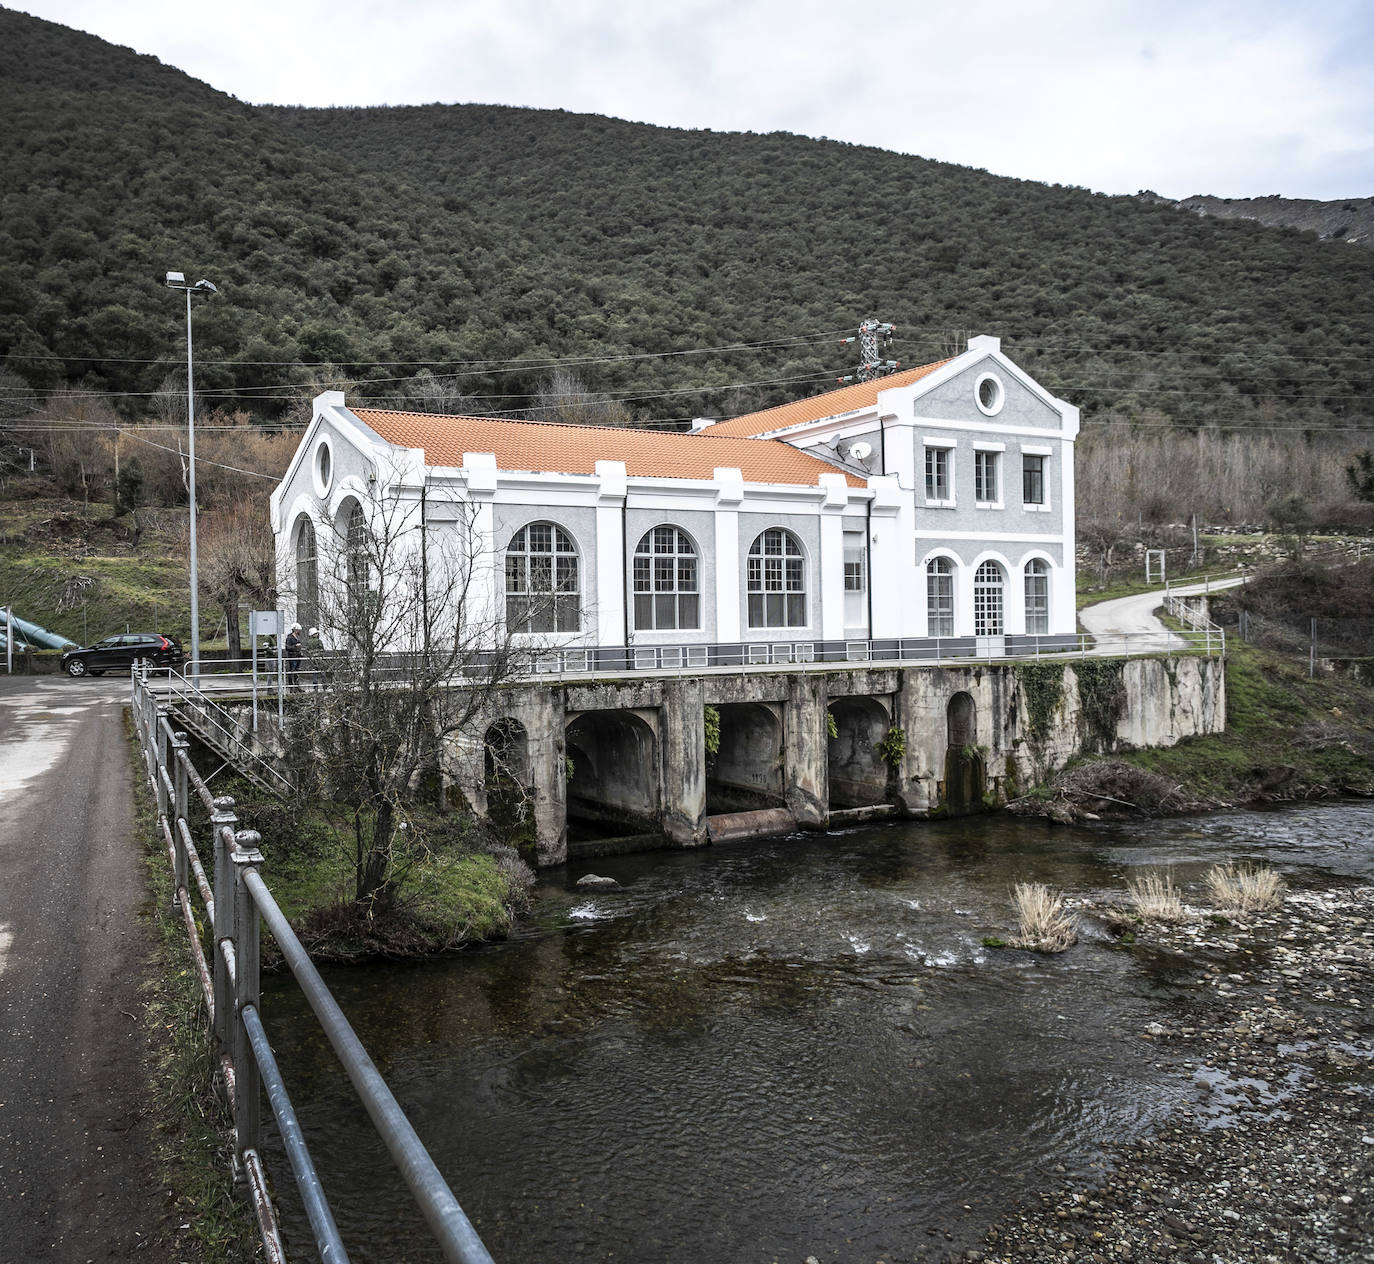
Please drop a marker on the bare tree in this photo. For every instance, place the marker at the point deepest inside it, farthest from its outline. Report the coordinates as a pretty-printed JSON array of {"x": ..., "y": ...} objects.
[
  {"x": 565, "y": 397},
  {"x": 77, "y": 438},
  {"x": 238, "y": 562},
  {"x": 412, "y": 644},
  {"x": 425, "y": 393}
]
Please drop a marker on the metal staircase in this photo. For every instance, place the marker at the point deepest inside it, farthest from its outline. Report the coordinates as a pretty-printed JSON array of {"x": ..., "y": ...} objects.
[{"x": 230, "y": 736}]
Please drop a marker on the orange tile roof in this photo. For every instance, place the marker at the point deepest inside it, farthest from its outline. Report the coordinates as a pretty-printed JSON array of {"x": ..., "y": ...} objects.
[
  {"x": 551, "y": 448},
  {"x": 847, "y": 399}
]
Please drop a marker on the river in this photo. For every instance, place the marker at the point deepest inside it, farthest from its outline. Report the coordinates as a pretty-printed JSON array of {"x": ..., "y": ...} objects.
[{"x": 777, "y": 1049}]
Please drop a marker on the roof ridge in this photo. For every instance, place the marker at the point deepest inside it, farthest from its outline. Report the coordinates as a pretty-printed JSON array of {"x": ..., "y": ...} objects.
[
  {"x": 878, "y": 383},
  {"x": 565, "y": 425}
]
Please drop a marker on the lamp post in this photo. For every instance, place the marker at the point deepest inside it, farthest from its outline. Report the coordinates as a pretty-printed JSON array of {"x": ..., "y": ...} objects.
[{"x": 177, "y": 281}]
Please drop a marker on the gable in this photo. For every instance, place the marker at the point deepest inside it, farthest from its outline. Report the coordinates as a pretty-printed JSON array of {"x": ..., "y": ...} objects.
[{"x": 956, "y": 400}]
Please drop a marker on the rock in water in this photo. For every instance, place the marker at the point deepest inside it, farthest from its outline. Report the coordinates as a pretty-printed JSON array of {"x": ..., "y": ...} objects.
[{"x": 596, "y": 880}]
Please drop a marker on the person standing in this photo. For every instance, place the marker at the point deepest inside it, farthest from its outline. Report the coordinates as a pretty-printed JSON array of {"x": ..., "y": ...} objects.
[{"x": 293, "y": 656}]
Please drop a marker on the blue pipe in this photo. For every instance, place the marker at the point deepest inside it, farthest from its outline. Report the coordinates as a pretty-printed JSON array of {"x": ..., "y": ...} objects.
[{"x": 31, "y": 634}]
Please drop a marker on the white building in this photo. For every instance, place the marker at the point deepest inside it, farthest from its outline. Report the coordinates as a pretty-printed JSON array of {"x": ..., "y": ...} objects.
[{"x": 933, "y": 507}]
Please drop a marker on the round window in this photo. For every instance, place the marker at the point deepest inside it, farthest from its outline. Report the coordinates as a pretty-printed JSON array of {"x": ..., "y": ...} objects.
[
  {"x": 989, "y": 395},
  {"x": 324, "y": 468}
]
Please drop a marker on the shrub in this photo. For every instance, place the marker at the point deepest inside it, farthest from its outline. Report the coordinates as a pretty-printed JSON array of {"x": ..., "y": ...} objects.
[
  {"x": 1245, "y": 888},
  {"x": 1155, "y": 897},
  {"x": 1045, "y": 926}
]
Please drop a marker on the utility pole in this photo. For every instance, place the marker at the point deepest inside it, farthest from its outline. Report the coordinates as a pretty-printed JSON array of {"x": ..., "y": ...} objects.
[{"x": 872, "y": 335}]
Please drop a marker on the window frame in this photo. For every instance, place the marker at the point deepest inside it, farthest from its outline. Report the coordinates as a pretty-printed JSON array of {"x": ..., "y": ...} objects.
[
  {"x": 775, "y": 582},
  {"x": 940, "y": 589},
  {"x": 942, "y": 478},
  {"x": 987, "y": 468},
  {"x": 855, "y": 569},
  {"x": 989, "y": 600},
  {"x": 1040, "y": 576},
  {"x": 563, "y": 599},
  {"x": 659, "y": 579},
  {"x": 1034, "y": 473}
]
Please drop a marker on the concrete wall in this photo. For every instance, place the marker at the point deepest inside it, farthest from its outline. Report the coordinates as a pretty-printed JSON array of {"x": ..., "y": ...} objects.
[{"x": 1028, "y": 719}]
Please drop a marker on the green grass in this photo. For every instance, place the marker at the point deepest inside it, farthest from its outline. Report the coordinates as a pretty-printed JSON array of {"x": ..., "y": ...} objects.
[
  {"x": 449, "y": 891},
  {"x": 204, "y": 1220},
  {"x": 89, "y": 596}
]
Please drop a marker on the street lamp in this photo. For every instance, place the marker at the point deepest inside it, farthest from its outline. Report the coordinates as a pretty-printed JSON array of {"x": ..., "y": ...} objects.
[{"x": 177, "y": 281}]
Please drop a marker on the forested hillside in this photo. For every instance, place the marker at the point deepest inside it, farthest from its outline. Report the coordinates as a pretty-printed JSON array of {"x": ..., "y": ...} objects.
[{"x": 684, "y": 272}]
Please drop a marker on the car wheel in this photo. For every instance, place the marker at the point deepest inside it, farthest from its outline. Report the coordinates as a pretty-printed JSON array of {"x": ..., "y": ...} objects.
[{"x": 77, "y": 667}]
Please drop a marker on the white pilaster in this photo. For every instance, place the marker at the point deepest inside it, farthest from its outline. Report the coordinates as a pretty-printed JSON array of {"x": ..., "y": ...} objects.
[
  {"x": 729, "y": 583},
  {"x": 890, "y": 556},
  {"x": 828, "y": 618},
  {"x": 607, "y": 623}
]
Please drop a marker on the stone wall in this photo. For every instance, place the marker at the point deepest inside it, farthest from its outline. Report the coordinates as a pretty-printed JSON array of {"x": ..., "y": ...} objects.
[{"x": 994, "y": 727}]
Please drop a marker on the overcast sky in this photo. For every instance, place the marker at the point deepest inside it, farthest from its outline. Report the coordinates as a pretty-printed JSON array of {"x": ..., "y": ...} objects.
[{"x": 1239, "y": 99}]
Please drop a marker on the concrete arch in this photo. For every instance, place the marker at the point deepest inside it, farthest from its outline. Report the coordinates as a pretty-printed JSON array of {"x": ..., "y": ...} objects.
[
  {"x": 506, "y": 751},
  {"x": 858, "y": 777},
  {"x": 506, "y": 783},
  {"x": 961, "y": 720},
  {"x": 747, "y": 771},
  {"x": 614, "y": 786},
  {"x": 965, "y": 767}
]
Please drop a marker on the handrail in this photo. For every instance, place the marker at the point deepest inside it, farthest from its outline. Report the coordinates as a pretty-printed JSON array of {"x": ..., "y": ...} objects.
[
  {"x": 809, "y": 654},
  {"x": 453, "y": 1229},
  {"x": 237, "y": 903},
  {"x": 217, "y": 717}
]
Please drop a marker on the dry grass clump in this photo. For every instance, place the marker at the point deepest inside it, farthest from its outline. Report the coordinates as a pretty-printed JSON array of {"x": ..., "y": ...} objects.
[
  {"x": 1155, "y": 897},
  {"x": 1045, "y": 926},
  {"x": 1245, "y": 888}
]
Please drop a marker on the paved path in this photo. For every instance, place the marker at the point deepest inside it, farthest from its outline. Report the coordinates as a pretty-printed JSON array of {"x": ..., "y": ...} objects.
[
  {"x": 1134, "y": 617},
  {"x": 74, "y": 1172}
]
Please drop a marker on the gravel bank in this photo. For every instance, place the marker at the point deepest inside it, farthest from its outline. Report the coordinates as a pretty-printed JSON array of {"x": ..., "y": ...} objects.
[{"x": 1273, "y": 1163}]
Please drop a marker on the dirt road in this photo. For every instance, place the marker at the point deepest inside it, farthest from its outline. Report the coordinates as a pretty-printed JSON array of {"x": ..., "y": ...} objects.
[{"x": 74, "y": 1182}]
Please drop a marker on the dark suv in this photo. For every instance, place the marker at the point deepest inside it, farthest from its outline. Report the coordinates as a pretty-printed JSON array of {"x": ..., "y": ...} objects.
[{"x": 122, "y": 652}]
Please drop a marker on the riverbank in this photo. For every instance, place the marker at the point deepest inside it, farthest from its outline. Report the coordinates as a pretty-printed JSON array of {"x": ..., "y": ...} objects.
[
  {"x": 1273, "y": 1162},
  {"x": 1289, "y": 737}
]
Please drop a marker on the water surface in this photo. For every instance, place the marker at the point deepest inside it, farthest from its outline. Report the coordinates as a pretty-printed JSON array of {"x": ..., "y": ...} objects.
[{"x": 769, "y": 1050}]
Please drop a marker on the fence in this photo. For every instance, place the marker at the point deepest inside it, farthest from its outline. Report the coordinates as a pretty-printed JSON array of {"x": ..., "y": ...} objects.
[
  {"x": 236, "y": 902},
  {"x": 686, "y": 659}
]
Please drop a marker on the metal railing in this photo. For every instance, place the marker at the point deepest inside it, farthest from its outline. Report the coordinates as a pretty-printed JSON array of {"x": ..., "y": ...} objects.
[
  {"x": 1188, "y": 610},
  {"x": 218, "y": 728},
  {"x": 236, "y": 902},
  {"x": 690, "y": 658}
]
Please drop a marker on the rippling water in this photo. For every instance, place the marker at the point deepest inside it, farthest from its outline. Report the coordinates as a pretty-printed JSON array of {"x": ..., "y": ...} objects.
[{"x": 769, "y": 1050}]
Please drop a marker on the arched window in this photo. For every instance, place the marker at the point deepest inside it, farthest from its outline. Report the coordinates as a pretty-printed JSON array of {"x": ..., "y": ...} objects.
[
  {"x": 988, "y": 583},
  {"x": 1037, "y": 597},
  {"x": 939, "y": 597},
  {"x": 542, "y": 589},
  {"x": 357, "y": 555},
  {"x": 776, "y": 581},
  {"x": 666, "y": 581},
  {"x": 307, "y": 573}
]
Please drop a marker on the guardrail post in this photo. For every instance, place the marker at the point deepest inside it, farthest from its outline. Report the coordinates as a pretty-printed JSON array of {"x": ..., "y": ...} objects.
[
  {"x": 223, "y": 820},
  {"x": 160, "y": 745},
  {"x": 247, "y": 1077},
  {"x": 177, "y": 757}
]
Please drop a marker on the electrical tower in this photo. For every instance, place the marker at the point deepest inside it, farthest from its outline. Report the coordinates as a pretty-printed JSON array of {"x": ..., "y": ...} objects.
[{"x": 872, "y": 335}]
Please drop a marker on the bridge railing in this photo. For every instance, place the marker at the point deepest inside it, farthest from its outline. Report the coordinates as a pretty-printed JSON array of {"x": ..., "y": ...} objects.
[
  {"x": 236, "y": 902},
  {"x": 684, "y": 659}
]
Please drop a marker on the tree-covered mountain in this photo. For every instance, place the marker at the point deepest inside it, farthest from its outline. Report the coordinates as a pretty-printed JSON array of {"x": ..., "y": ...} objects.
[{"x": 687, "y": 272}]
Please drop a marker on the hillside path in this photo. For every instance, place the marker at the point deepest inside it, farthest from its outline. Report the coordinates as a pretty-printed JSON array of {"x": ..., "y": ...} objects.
[
  {"x": 75, "y": 1179},
  {"x": 1135, "y": 616}
]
